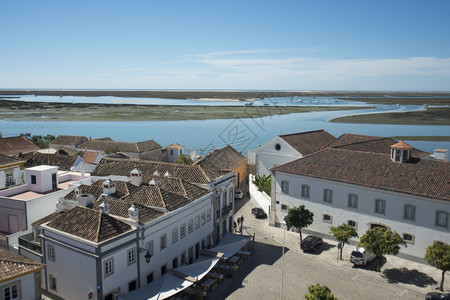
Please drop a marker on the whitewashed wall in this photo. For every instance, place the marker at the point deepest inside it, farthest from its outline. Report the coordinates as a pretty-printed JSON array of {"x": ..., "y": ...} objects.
[{"x": 261, "y": 198}]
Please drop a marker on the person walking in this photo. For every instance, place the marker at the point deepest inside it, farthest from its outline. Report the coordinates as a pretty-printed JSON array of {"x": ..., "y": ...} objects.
[
  {"x": 235, "y": 226},
  {"x": 242, "y": 220}
]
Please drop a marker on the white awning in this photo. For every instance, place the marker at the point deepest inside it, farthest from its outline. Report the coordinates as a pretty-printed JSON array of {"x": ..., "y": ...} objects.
[{"x": 230, "y": 244}]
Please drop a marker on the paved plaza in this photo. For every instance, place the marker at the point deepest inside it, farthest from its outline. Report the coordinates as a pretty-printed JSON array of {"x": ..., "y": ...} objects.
[{"x": 267, "y": 275}]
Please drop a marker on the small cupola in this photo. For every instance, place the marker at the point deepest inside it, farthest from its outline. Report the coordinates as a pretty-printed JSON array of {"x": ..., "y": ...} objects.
[
  {"x": 156, "y": 173},
  {"x": 109, "y": 187},
  {"x": 136, "y": 177},
  {"x": 104, "y": 208},
  {"x": 133, "y": 212},
  {"x": 401, "y": 152},
  {"x": 167, "y": 174},
  {"x": 152, "y": 182}
]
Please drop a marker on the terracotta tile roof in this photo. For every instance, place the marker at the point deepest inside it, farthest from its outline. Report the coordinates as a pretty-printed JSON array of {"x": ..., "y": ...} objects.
[
  {"x": 368, "y": 143},
  {"x": 120, "y": 208},
  {"x": 67, "y": 151},
  {"x": 122, "y": 146},
  {"x": 225, "y": 159},
  {"x": 116, "y": 166},
  {"x": 47, "y": 218},
  {"x": 175, "y": 146},
  {"x": 89, "y": 224},
  {"x": 90, "y": 156},
  {"x": 13, "y": 266},
  {"x": 69, "y": 140},
  {"x": 308, "y": 142},
  {"x": 62, "y": 161},
  {"x": 420, "y": 177},
  {"x": 14, "y": 145},
  {"x": 210, "y": 169},
  {"x": 401, "y": 145},
  {"x": 6, "y": 160}
]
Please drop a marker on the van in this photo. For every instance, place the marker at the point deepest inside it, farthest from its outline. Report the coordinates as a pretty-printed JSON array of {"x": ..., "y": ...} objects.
[{"x": 361, "y": 256}]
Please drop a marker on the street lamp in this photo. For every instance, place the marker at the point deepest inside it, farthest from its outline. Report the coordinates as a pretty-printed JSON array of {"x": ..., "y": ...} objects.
[{"x": 147, "y": 257}]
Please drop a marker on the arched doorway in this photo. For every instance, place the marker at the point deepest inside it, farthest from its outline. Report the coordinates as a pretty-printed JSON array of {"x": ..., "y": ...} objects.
[{"x": 374, "y": 225}]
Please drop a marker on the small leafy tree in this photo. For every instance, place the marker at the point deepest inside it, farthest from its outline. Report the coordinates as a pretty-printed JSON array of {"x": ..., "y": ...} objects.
[
  {"x": 299, "y": 217},
  {"x": 342, "y": 234},
  {"x": 184, "y": 159},
  {"x": 112, "y": 150},
  {"x": 381, "y": 241},
  {"x": 264, "y": 183},
  {"x": 42, "y": 141},
  {"x": 438, "y": 255},
  {"x": 318, "y": 292}
]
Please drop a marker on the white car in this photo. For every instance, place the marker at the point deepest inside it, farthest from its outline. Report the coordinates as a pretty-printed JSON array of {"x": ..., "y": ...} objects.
[
  {"x": 361, "y": 256},
  {"x": 238, "y": 194}
]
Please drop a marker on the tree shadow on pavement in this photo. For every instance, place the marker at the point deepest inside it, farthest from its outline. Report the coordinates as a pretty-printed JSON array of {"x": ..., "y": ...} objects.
[
  {"x": 403, "y": 275},
  {"x": 324, "y": 247}
]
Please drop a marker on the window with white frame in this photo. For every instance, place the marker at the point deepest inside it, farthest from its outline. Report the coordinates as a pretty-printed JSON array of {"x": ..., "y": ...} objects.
[
  {"x": 149, "y": 247},
  {"x": 284, "y": 207},
  {"x": 131, "y": 256},
  {"x": 285, "y": 187},
  {"x": 183, "y": 230},
  {"x": 230, "y": 195},
  {"x": 353, "y": 200},
  {"x": 305, "y": 191},
  {"x": 203, "y": 218},
  {"x": 326, "y": 218},
  {"x": 224, "y": 198},
  {"x": 208, "y": 215},
  {"x": 408, "y": 238},
  {"x": 11, "y": 292},
  {"x": 52, "y": 282},
  {"x": 197, "y": 222},
  {"x": 163, "y": 241},
  {"x": 190, "y": 226},
  {"x": 442, "y": 218},
  {"x": 51, "y": 252},
  {"x": 380, "y": 206},
  {"x": 351, "y": 223},
  {"x": 174, "y": 235},
  {"x": 410, "y": 212},
  {"x": 108, "y": 267},
  {"x": 327, "y": 195}
]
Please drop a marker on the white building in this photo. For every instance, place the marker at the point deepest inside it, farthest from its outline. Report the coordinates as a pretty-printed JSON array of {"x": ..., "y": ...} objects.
[
  {"x": 361, "y": 183},
  {"x": 174, "y": 151},
  {"x": 285, "y": 148}
]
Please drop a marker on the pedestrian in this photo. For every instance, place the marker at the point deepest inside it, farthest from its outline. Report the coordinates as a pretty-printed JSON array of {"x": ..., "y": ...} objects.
[
  {"x": 239, "y": 221},
  {"x": 240, "y": 229},
  {"x": 235, "y": 226},
  {"x": 242, "y": 220}
]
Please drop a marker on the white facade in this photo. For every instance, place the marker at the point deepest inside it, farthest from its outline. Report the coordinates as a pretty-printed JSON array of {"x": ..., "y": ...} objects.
[
  {"x": 273, "y": 153},
  {"x": 24, "y": 286},
  {"x": 413, "y": 217},
  {"x": 10, "y": 175},
  {"x": 42, "y": 178}
]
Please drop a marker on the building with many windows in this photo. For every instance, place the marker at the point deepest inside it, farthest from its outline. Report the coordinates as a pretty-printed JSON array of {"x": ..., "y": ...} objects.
[{"x": 367, "y": 182}]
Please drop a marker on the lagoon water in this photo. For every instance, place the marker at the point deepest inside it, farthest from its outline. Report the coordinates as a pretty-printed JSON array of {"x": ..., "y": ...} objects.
[{"x": 242, "y": 134}]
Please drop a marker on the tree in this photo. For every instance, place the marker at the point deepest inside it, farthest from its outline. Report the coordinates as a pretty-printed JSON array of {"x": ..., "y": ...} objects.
[
  {"x": 318, "y": 292},
  {"x": 264, "y": 183},
  {"x": 42, "y": 141},
  {"x": 381, "y": 241},
  {"x": 112, "y": 150},
  {"x": 438, "y": 255},
  {"x": 184, "y": 159},
  {"x": 299, "y": 217},
  {"x": 342, "y": 234}
]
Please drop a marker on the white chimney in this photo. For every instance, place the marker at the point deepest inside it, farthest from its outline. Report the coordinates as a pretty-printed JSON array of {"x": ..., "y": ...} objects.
[
  {"x": 109, "y": 187},
  {"x": 104, "y": 208},
  {"x": 441, "y": 154},
  {"x": 152, "y": 182},
  {"x": 85, "y": 199},
  {"x": 59, "y": 205},
  {"x": 192, "y": 153},
  {"x": 156, "y": 173},
  {"x": 136, "y": 177},
  {"x": 133, "y": 213},
  {"x": 167, "y": 174}
]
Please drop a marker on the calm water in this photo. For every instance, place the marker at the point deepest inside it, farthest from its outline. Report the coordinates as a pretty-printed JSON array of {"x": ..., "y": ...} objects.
[{"x": 242, "y": 134}]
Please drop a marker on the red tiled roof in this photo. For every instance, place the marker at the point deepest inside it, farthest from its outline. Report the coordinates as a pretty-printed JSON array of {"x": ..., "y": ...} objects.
[
  {"x": 225, "y": 159},
  {"x": 308, "y": 142},
  {"x": 14, "y": 145},
  {"x": 122, "y": 146},
  {"x": 421, "y": 177},
  {"x": 90, "y": 156},
  {"x": 13, "y": 266}
]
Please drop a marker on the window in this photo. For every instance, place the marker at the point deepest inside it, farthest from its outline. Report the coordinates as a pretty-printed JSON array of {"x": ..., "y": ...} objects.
[
  {"x": 183, "y": 230},
  {"x": 171, "y": 152},
  {"x": 277, "y": 147},
  {"x": 353, "y": 200},
  {"x": 327, "y": 195},
  {"x": 149, "y": 277},
  {"x": 132, "y": 286},
  {"x": 183, "y": 258},
  {"x": 380, "y": 206},
  {"x": 149, "y": 247},
  {"x": 33, "y": 179},
  {"x": 174, "y": 235},
  {"x": 109, "y": 267},
  {"x": 131, "y": 256},
  {"x": 442, "y": 218},
  {"x": 351, "y": 223},
  {"x": 203, "y": 218},
  {"x": 284, "y": 207},
  {"x": 163, "y": 270},
  {"x": 208, "y": 215},
  {"x": 51, "y": 252},
  {"x": 190, "y": 226},
  {"x": 410, "y": 212},
  {"x": 225, "y": 199},
  {"x": 408, "y": 238},
  {"x": 305, "y": 191},
  {"x": 285, "y": 187},
  {"x": 163, "y": 241},
  {"x": 326, "y": 218},
  {"x": 52, "y": 282},
  {"x": 11, "y": 292},
  {"x": 197, "y": 222},
  {"x": 175, "y": 263}
]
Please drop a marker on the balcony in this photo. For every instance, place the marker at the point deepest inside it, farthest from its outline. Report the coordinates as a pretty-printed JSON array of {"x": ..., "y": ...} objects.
[
  {"x": 27, "y": 241},
  {"x": 226, "y": 209}
]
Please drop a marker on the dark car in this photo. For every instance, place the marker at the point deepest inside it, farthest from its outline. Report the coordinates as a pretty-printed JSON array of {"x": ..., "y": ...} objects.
[
  {"x": 259, "y": 213},
  {"x": 437, "y": 296},
  {"x": 310, "y": 243}
]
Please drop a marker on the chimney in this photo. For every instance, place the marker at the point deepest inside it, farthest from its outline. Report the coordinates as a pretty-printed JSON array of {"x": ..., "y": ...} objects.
[
  {"x": 136, "y": 177},
  {"x": 441, "y": 154},
  {"x": 104, "y": 208},
  {"x": 152, "y": 182},
  {"x": 167, "y": 174},
  {"x": 109, "y": 187},
  {"x": 133, "y": 213},
  {"x": 156, "y": 173},
  {"x": 85, "y": 200}
]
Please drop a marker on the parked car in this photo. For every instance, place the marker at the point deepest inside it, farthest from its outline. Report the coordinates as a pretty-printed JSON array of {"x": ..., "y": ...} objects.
[
  {"x": 259, "y": 213},
  {"x": 310, "y": 243},
  {"x": 361, "y": 256},
  {"x": 437, "y": 296},
  {"x": 238, "y": 194}
]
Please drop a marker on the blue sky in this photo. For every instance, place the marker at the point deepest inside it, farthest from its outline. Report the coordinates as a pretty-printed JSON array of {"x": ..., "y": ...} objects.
[{"x": 240, "y": 45}]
